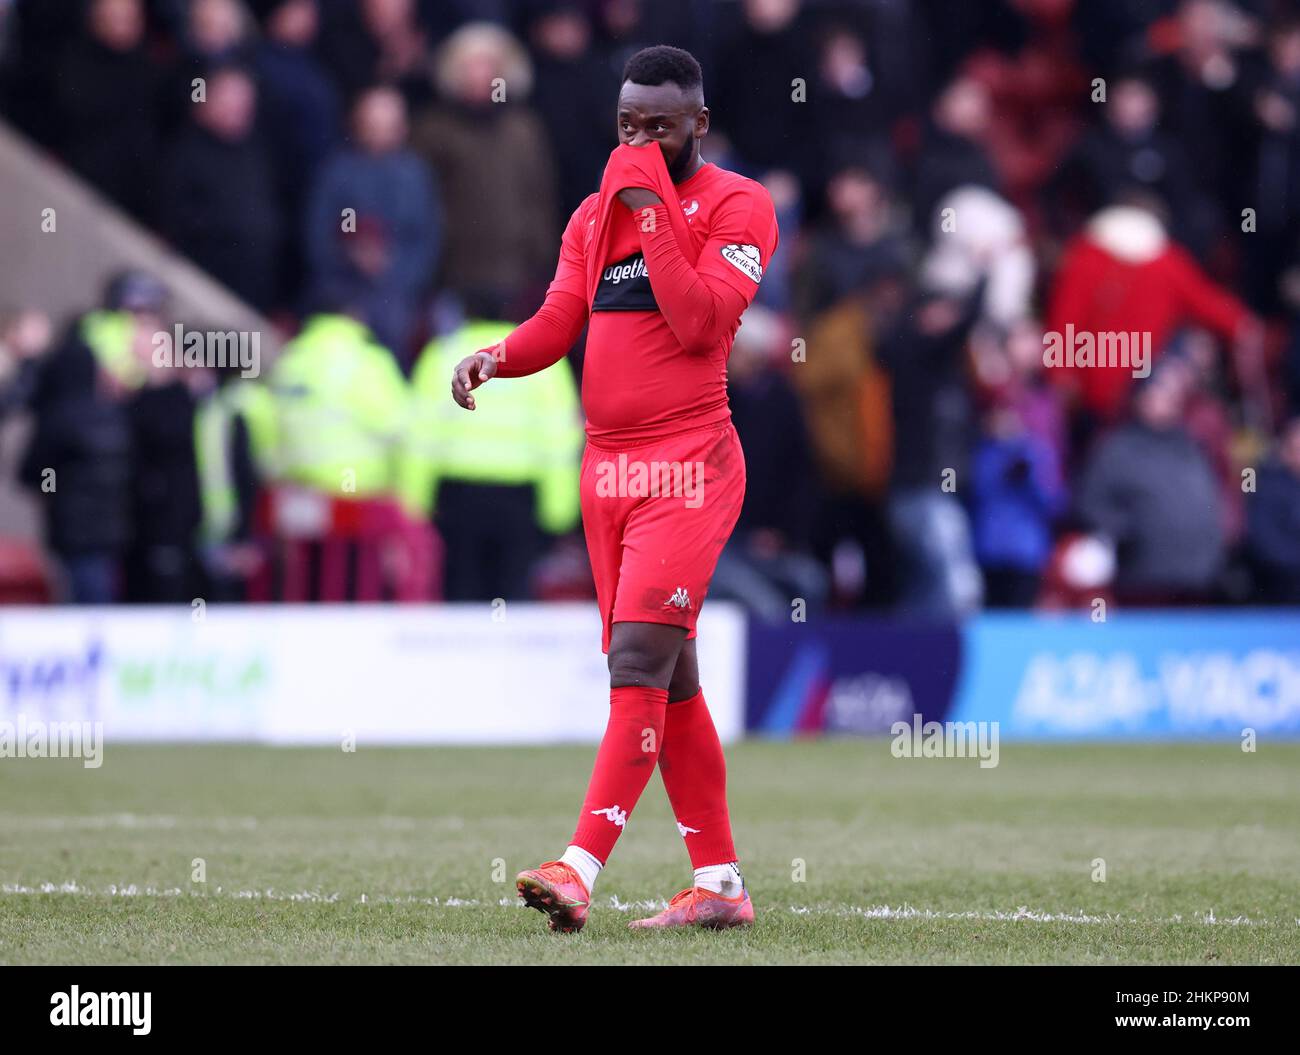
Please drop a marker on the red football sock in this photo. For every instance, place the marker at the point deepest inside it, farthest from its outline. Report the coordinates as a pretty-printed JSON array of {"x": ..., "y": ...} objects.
[
  {"x": 695, "y": 776},
  {"x": 624, "y": 762}
]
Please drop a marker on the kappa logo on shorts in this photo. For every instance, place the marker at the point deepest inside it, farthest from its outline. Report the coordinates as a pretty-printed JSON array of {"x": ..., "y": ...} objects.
[
  {"x": 746, "y": 259},
  {"x": 679, "y": 599}
]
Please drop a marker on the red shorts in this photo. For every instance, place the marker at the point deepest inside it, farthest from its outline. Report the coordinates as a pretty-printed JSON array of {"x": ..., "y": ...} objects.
[{"x": 656, "y": 519}]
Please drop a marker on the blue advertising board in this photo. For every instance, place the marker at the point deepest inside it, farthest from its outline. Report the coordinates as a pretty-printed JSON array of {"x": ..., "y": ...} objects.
[
  {"x": 1138, "y": 675},
  {"x": 846, "y": 675}
]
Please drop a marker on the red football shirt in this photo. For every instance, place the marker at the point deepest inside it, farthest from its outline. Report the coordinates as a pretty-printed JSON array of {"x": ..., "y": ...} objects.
[{"x": 640, "y": 382}]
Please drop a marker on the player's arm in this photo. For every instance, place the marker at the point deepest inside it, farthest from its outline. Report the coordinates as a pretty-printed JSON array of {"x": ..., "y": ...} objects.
[
  {"x": 534, "y": 345},
  {"x": 701, "y": 303},
  {"x": 545, "y": 338}
]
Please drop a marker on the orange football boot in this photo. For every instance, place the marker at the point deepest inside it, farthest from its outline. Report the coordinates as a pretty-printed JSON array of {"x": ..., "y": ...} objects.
[
  {"x": 698, "y": 907},
  {"x": 556, "y": 889}
]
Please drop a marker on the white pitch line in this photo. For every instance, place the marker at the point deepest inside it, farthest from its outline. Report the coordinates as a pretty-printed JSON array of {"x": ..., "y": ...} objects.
[
  {"x": 129, "y": 821},
  {"x": 903, "y": 912},
  {"x": 166, "y": 822}
]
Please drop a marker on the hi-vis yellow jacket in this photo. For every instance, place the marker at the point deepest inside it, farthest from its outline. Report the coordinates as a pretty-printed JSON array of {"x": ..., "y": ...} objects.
[
  {"x": 524, "y": 430},
  {"x": 341, "y": 408},
  {"x": 214, "y": 428}
]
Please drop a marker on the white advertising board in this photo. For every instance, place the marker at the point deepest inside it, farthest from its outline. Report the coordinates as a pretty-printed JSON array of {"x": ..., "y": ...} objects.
[{"x": 312, "y": 674}]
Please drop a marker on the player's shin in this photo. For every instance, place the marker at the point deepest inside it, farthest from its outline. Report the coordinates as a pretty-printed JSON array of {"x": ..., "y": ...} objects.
[
  {"x": 624, "y": 762},
  {"x": 695, "y": 777}
]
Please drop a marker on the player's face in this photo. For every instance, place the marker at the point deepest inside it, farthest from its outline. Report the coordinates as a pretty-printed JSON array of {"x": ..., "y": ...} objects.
[{"x": 663, "y": 114}]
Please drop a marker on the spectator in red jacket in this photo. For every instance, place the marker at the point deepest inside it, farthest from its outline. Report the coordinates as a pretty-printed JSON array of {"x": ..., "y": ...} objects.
[{"x": 1124, "y": 274}]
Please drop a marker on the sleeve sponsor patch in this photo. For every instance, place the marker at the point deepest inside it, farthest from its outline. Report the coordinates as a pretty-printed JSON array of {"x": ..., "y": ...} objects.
[{"x": 746, "y": 259}]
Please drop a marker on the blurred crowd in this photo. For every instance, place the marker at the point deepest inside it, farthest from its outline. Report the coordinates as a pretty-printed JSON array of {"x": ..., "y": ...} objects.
[{"x": 387, "y": 181}]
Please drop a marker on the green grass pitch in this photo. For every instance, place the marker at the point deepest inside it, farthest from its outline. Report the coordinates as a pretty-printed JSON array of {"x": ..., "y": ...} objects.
[{"x": 851, "y": 855}]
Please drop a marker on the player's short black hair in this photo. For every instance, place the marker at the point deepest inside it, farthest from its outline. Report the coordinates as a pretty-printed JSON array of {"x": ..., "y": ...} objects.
[{"x": 661, "y": 64}]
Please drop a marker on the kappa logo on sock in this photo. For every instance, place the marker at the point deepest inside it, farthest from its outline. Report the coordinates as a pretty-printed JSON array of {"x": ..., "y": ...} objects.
[
  {"x": 613, "y": 814},
  {"x": 679, "y": 599},
  {"x": 684, "y": 831}
]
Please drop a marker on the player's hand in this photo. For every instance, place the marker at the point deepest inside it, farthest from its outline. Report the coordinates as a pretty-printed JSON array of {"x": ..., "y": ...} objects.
[
  {"x": 469, "y": 374},
  {"x": 638, "y": 198}
]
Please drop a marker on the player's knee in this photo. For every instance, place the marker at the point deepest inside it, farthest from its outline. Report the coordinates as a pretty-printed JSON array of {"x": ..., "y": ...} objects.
[
  {"x": 684, "y": 686},
  {"x": 640, "y": 663},
  {"x": 685, "y": 683}
]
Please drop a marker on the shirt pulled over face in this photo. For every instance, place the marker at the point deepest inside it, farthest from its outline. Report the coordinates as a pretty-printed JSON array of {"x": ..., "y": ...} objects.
[{"x": 639, "y": 382}]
